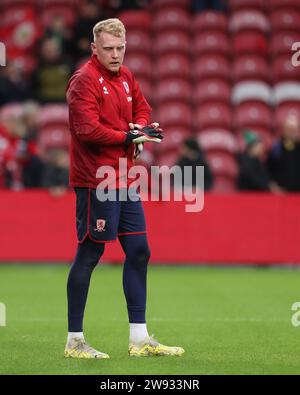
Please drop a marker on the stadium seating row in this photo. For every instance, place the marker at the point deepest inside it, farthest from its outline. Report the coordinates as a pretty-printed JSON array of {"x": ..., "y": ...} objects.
[
  {"x": 215, "y": 65},
  {"x": 179, "y": 121}
]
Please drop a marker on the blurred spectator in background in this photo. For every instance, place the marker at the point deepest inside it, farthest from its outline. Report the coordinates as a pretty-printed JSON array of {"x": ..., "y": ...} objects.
[
  {"x": 192, "y": 155},
  {"x": 253, "y": 174},
  {"x": 33, "y": 169},
  {"x": 203, "y": 5},
  {"x": 30, "y": 119},
  {"x": 4, "y": 150},
  {"x": 50, "y": 79},
  {"x": 284, "y": 157},
  {"x": 90, "y": 13},
  {"x": 59, "y": 32},
  {"x": 56, "y": 171},
  {"x": 14, "y": 86},
  {"x": 21, "y": 165}
]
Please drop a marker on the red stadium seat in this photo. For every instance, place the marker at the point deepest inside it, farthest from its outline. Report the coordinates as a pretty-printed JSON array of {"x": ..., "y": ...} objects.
[
  {"x": 251, "y": 115},
  {"x": 140, "y": 64},
  {"x": 251, "y": 90},
  {"x": 48, "y": 13},
  {"x": 150, "y": 148},
  {"x": 285, "y": 19},
  {"x": 211, "y": 42},
  {"x": 54, "y": 114},
  {"x": 175, "y": 114},
  {"x": 52, "y": 137},
  {"x": 172, "y": 41},
  {"x": 223, "y": 184},
  {"x": 174, "y": 138},
  {"x": 146, "y": 158},
  {"x": 210, "y": 20},
  {"x": 184, "y": 132},
  {"x": 211, "y": 89},
  {"x": 171, "y": 18},
  {"x": 273, "y": 4},
  {"x": 281, "y": 42},
  {"x": 247, "y": 67},
  {"x": 69, "y": 3},
  {"x": 217, "y": 140},
  {"x": 173, "y": 89},
  {"x": 136, "y": 19},
  {"x": 286, "y": 92},
  {"x": 172, "y": 65},
  {"x": 283, "y": 69},
  {"x": 283, "y": 111},
  {"x": 169, "y": 158},
  {"x": 222, "y": 164},
  {"x": 248, "y": 20},
  {"x": 250, "y": 43},
  {"x": 160, "y": 4},
  {"x": 138, "y": 41},
  {"x": 211, "y": 66},
  {"x": 146, "y": 87},
  {"x": 213, "y": 115},
  {"x": 238, "y": 4}
]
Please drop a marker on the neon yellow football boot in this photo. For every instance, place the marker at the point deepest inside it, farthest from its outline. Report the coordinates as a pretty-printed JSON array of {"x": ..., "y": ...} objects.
[
  {"x": 151, "y": 347},
  {"x": 77, "y": 348}
]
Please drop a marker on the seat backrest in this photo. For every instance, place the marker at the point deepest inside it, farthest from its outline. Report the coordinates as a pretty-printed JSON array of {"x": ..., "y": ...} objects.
[
  {"x": 251, "y": 90},
  {"x": 138, "y": 40},
  {"x": 213, "y": 41},
  {"x": 212, "y": 65},
  {"x": 286, "y": 91},
  {"x": 285, "y": 19},
  {"x": 210, "y": 20},
  {"x": 211, "y": 89},
  {"x": 246, "y": 67},
  {"x": 247, "y": 42},
  {"x": 172, "y": 41},
  {"x": 248, "y": 20},
  {"x": 217, "y": 140},
  {"x": 172, "y": 65},
  {"x": 171, "y": 18}
]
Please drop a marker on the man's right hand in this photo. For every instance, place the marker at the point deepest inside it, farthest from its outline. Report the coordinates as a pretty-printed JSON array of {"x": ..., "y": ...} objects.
[{"x": 149, "y": 133}]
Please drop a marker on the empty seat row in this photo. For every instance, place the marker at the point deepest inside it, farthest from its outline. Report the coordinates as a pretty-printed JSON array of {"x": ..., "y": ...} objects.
[
  {"x": 218, "y": 90},
  {"x": 206, "y": 115},
  {"x": 243, "y": 67}
]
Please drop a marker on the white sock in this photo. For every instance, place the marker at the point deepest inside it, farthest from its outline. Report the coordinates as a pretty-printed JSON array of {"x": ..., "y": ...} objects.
[
  {"x": 137, "y": 333},
  {"x": 74, "y": 335}
]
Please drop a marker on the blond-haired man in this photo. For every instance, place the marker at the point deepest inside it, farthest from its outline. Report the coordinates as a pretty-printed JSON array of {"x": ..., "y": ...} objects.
[{"x": 109, "y": 118}]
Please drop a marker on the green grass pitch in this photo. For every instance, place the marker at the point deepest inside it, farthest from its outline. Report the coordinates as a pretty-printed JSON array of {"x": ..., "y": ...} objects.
[{"x": 229, "y": 320}]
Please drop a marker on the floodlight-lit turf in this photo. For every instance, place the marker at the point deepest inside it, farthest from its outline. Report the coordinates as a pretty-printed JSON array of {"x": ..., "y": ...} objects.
[{"x": 229, "y": 320}]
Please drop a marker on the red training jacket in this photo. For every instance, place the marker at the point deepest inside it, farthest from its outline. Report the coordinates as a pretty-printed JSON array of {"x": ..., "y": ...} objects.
[{"x": 101, "y": 105}]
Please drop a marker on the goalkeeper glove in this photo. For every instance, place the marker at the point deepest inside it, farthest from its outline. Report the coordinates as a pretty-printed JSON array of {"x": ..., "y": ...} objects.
[{"x": 149, "y": 133}]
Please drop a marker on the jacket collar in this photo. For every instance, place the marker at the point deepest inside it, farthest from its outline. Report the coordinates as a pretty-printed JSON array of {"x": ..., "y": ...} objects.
[{"x": 103, "y": 70}]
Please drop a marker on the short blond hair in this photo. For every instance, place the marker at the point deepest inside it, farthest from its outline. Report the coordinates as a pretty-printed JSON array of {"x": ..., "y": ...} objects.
[{"x": 112, "y": 25}]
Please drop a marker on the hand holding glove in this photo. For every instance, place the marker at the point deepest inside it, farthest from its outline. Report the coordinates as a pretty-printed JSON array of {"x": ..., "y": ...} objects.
[{"x": 149, "y": 133}]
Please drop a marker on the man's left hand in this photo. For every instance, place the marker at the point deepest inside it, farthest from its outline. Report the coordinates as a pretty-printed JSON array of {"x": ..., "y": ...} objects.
[{"x": 149, "y": 133}]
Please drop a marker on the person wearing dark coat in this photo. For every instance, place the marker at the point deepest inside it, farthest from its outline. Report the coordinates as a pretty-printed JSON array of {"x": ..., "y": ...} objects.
[
  {"x": 253, "y": 174},
  {"x": 284, "y": 157},
  {"x": 192, "y": 155}
]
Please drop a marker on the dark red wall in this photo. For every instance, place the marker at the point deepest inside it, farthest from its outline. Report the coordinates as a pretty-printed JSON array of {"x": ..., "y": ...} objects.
[{"x": 238, "y": 228}]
